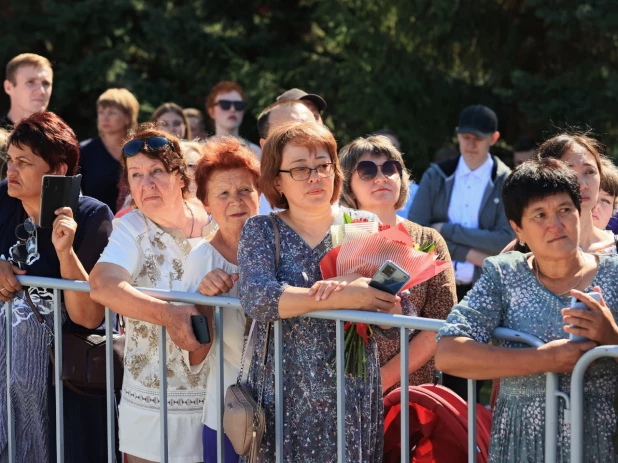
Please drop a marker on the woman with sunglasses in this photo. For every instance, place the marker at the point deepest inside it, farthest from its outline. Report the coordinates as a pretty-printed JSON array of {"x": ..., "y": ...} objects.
[
  {"x": 170, "y": 118},
  {"x": 301, "y": 176},
  {"x": 375, "y": 180},
  {"x": 226, "y": 104},
  {"x": 148, "y": 248},
  {"x": 43, "y": 144}
]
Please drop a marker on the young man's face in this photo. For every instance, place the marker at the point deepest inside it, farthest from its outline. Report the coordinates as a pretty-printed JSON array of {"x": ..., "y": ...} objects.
[
  {"x": 603, "y": 210},
  {"x": 473, "y": 147},
  {"x": 32, "y": 89}
]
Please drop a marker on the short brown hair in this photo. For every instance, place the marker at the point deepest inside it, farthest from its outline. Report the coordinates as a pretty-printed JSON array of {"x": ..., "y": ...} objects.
[
  {"x": 170, "y": 155},
  {"x": 609, "y": 179},
  {"x": 25, "y": 59},
  {"x": 310, "y": 135},
  {"x": 557, "y": 146},
  {"x": 376, "y": 145},
  {"x": 220, "y": 154},
  {"x": 122, "y": 99},
  {"x": 172, "y": 108},
  {"x": 263, "y": 120},
  {"x": 223, "y": 87}
]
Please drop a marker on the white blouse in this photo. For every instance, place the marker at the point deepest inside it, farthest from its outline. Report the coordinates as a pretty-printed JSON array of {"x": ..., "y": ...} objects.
[
  {"x": 202, "y": 260},
  {"x": 155, "y": 258}
]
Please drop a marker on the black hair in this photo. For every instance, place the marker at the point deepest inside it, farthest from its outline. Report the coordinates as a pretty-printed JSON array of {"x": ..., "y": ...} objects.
[{"x": 535, "y": 180}]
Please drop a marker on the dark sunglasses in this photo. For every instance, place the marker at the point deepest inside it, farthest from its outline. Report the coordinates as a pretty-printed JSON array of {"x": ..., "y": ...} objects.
[
  {"x": 26, "y": 251},
  {"x": 227, "y": 104},
  {"x": 152, "y": 144},
  {"x": 368, "y": 170}
]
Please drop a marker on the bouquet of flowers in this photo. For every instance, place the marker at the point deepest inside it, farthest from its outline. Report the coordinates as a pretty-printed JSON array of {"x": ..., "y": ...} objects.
[{"x": 362, "y": 246}]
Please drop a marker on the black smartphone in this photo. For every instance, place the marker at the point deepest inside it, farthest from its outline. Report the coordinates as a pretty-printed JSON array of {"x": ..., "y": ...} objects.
[
  {"x": 390, "y": 278},
  {"x": 200, "y": 328},
  {"x": 58, "y": 191}
]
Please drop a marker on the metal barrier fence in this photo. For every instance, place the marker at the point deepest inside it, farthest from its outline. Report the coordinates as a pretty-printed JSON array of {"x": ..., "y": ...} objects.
[{"x": 404, "y": 323}]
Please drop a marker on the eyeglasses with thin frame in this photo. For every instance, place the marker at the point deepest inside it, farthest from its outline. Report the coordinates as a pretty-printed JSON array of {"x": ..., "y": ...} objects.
[
  {"x": 368, "y": 170},
  {"x": 303, "y": 173},
  {"x": 26, "y": 251},
  {"x": 225, "y": 105},
  {"x": 133, "y": 147}
]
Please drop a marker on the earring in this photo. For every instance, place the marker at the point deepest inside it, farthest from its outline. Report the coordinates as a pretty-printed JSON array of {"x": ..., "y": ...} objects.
[
  {"x": 521, "y": 243},
  {"x": 281, "y": 193}
]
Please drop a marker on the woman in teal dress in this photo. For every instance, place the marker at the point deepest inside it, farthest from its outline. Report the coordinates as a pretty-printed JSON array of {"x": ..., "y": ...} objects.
[{"x": 530, "y": 293}]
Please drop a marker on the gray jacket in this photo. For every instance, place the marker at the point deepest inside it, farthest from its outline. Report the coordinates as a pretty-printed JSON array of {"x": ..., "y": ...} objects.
[{"x": 431, "y": 206}]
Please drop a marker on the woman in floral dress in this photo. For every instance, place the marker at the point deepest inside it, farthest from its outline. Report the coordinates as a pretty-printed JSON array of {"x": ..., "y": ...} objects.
[
  {"x": 301, "y": 175},
  {"x": 530, "y": 293}
]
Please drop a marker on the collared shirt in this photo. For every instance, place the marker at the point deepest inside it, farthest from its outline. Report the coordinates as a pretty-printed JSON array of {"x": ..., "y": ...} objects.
[{"x": 465, "y": 205}]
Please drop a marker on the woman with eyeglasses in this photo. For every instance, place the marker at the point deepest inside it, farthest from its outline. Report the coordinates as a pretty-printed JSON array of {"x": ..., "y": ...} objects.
[
  {"x": 226, "y": 104},
  {"x": 148, "y": 248},
  {"x": 301, "y": 176},
  {"x": 43, "y": 144},
  {"x": 170, "y": 118},
  {"x": 375, "y": 180}
]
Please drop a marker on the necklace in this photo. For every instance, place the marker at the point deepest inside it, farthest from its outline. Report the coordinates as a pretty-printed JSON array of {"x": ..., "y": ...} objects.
[
  {"x": 537, "y": 273},
  {"x": 192, "y": 219}
]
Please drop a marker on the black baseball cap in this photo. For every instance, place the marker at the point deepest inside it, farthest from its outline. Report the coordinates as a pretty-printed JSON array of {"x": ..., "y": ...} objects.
[
  {"x": 478, "y": 120},
  {"x": 298, "y": 94}
]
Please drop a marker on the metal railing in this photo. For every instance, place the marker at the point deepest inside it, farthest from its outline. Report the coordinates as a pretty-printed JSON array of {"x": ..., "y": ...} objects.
[{"x": 404, "y": 323}]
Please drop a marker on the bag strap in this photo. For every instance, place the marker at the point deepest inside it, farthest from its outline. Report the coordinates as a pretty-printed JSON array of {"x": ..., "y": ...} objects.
[{"x": 248, "y": 337}]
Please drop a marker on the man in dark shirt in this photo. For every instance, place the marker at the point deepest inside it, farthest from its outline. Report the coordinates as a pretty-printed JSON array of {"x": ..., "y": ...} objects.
[{"x": 28, "y": 84}]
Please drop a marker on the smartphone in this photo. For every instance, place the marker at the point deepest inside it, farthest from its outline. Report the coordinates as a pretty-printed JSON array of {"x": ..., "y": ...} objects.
[
  {"x": 390, "y": 278},
  {"x": 200, "y": 328},
  {"x": 576, "y": 304},
  {"x": 58, "y": 191}
]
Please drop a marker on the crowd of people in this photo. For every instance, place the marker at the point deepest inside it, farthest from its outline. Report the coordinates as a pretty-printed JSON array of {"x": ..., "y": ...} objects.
[{"x": 166, "y": 206}]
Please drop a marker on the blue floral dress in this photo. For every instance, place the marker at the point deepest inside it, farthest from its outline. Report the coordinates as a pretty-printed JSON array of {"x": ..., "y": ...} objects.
[
  {"x": 509, "y": 295},
  {"x": 309, "y": 381}
]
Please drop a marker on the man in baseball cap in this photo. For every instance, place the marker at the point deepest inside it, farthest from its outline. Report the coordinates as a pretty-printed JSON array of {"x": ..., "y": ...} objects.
[{"x": 314, "y": 102}]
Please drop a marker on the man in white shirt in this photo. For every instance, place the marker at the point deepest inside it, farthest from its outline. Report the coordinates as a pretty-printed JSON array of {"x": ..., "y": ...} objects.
[{"x": 461, "y": 198}]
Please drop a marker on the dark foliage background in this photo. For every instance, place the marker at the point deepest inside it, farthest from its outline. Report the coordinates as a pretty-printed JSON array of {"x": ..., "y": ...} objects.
[{"x": 407, "y": 65}]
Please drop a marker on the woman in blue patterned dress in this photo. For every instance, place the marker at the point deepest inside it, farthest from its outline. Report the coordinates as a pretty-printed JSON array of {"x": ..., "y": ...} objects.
[
  {"x": 529, "y": 293},
  {"x": 301, "y": 175}
]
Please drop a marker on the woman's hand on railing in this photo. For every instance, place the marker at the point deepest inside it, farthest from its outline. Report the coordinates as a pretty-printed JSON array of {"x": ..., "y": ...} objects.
[
  {"x": 358, "y": 295},
  {"x": 178, "y": 325},
  {"x": 323, "y": 288},
  {"x": 597, "y": 324},
  {"x": 217, "y": 282},
  {"x": 561, "y": 355},
  {"x": 8, "y": 283}
]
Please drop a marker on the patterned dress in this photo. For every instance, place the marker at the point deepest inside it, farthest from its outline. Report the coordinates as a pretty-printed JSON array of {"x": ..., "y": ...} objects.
[
  {"x": 431, "y": 299},
  {"x": 309, "y": 387},
  {"x": 509, "y": 295}
]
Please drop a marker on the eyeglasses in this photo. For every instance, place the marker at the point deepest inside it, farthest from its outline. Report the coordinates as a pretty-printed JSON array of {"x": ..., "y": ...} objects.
[
  {"x": 303, "y": 173},
  {"x": 368, "y": 170},
  {"x": 26, "y": 251},
  {"x": 227, "y": 104},
  {"x": 153, "y": 143}
]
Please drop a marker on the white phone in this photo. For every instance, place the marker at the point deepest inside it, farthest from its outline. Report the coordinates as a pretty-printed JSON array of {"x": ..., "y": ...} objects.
[{"x": 576, "y": 304}]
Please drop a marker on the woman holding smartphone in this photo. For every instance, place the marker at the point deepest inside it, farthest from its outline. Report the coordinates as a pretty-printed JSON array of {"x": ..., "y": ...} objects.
[
  {"x": 532, "y": 293},
  {"x": 43, "y": 144},
  {"x": 375, "y": 180}
]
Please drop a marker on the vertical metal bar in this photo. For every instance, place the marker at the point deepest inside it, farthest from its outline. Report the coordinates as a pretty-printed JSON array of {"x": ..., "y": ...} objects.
[
  {"x": 471, "y": 421},
  {"x": 405, "y": 412},
  {"x": 218, "y": 334},
  {"x": 278, "y": 391},
  {"x": 340, "y": 365},
  {"x": 551, "y": 417},
  {"x": 9, "y": 360},
  {"x": 163, "y": 393},
  {"x": 58, "y": 377},
  {"x": 109, "y": 384}
]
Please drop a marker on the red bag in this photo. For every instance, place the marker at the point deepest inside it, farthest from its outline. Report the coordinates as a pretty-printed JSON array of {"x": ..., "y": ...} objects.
[{"x": 438, "y": 426}]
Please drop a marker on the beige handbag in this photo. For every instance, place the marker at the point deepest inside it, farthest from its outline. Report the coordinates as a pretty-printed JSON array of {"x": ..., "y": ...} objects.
[{"x": 244, "y": 420}]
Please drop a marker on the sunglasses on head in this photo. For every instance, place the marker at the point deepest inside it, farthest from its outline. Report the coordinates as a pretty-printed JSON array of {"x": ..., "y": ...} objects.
[
  {"x": 227, "y": 104},
  {"x": 368, "y": 170},
  {"x": 152, "y": 144},
  {"x": 26, "y": 251}
]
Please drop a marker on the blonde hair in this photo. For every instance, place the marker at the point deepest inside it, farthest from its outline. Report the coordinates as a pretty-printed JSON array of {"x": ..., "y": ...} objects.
[
  {"x": 25, "y": 59},
  {"x": 123, "y": 100}
]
